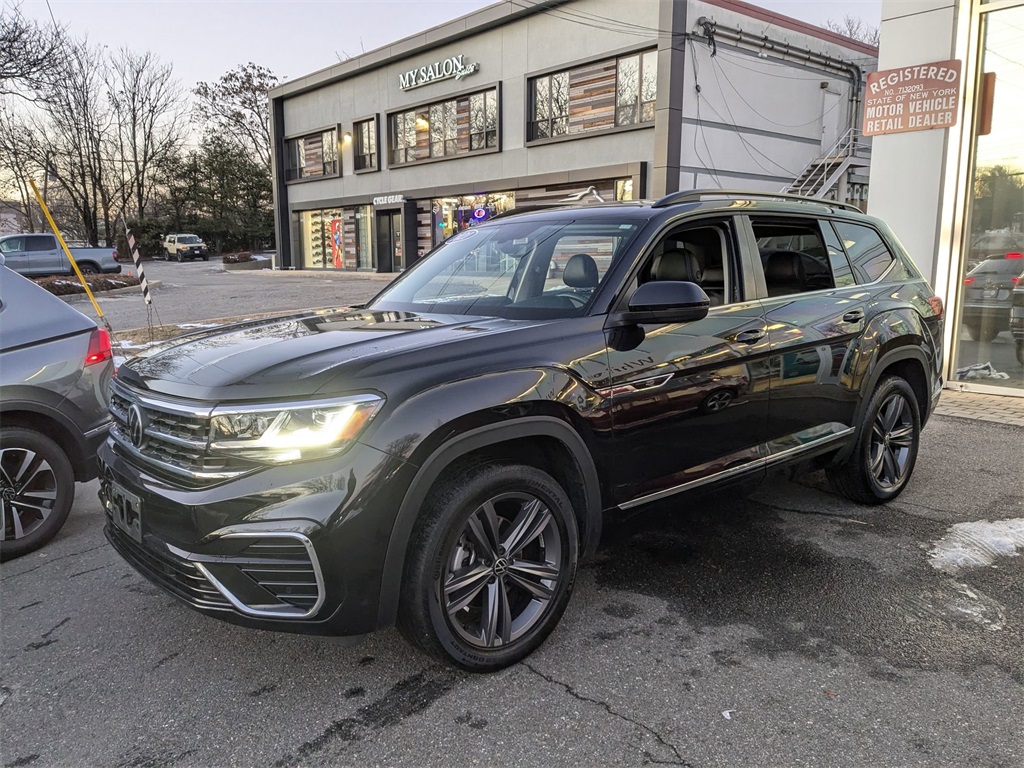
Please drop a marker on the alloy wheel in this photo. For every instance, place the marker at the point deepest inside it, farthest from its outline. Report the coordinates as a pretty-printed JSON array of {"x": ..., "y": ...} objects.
[
  {"x": 28, "y": 492},
  {"x": 893, "y": 439},
  {"x": 503, "y": 570}
]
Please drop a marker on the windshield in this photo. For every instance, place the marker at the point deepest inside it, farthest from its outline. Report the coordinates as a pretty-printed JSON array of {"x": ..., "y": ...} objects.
[
  {"x": 519, "y": 269},
  {"x": 188, "y": 239}
]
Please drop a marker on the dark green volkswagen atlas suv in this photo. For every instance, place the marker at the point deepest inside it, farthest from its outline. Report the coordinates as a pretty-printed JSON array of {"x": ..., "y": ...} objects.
[{"x": 444, "y": 456}]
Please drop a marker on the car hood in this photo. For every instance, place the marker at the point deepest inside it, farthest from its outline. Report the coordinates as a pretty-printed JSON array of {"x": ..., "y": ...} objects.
[{"x": 298, "y": 355}]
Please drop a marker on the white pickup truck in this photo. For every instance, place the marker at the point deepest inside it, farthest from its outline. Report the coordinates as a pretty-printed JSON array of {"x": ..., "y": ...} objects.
[{"x": 38, "y": 255}]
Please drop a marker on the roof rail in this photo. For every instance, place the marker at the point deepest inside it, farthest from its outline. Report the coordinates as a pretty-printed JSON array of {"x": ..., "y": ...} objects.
[{"x": 696, "y": 195}]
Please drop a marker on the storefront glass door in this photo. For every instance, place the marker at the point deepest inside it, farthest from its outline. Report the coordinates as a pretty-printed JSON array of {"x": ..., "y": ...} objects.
[
  {"x": 389, "y": 241},
  {"x": 989, "y": 347}
]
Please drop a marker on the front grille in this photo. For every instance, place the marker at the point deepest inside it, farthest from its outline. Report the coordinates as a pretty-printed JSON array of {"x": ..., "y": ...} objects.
[
  {"x": 177, "y": 576},
  {"x": 282, "y": 566},
  {"x": 176, "y": 438}
]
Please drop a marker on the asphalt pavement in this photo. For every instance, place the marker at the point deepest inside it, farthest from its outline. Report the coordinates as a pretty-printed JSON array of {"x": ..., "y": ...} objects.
[
  {"x": 198, "y": 291},
  {"x": 783, "y": 628}
]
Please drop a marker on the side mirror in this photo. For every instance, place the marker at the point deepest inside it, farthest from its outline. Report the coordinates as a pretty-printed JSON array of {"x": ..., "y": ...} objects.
[{"x": 665, "y": 301}]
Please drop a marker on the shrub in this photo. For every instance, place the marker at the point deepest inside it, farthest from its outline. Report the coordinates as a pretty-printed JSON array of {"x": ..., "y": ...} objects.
[
  {"x": 65, "y": 286},
  {"x": 236, "y": 258}
]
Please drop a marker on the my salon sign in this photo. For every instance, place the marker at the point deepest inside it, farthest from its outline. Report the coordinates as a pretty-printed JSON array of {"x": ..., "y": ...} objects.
[{"x": 453, "y": 67}]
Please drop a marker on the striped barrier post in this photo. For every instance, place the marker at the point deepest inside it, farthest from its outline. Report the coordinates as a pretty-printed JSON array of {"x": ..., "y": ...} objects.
[{"x": 138, "y": 263}]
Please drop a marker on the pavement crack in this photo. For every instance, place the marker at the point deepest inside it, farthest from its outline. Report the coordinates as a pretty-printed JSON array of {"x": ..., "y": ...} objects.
[
  {"x": 648, "y": 757},
  {"x": 90, "y": 570},
  {"x": 52, "y": 560},
  {"x": 405, "y": 698}
]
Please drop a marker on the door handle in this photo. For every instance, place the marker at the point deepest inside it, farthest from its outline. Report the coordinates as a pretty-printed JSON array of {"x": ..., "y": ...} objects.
[
  {"x": 853, "y": 316},
  {"x": 749, "y": 337}
]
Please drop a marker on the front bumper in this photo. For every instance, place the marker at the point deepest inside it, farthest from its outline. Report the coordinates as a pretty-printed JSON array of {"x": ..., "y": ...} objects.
[{"x": 297, "y": 548}]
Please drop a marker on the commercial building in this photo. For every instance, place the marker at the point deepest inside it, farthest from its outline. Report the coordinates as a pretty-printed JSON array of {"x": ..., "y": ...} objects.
[
  {"x": 954, "y": 191},
  {"x": 528, "y": 104}
]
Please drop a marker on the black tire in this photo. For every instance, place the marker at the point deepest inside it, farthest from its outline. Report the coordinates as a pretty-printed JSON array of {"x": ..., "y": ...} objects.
[
  {"x": 206, "y": 258},
  {"x": 974, "y": 331},
  {"x": 883, "y": 459},
  {"x": 88, "y": 268},
  {"x": 1020, "y": 352},
  {"x": 445, "y": 542},
  {"x": 34, "y": 512},
  {"x": 180, "y": 257}
]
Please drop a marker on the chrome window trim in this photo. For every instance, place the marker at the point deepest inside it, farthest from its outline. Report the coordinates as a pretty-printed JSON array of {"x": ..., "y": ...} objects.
[{"x": 263, "y": 613}]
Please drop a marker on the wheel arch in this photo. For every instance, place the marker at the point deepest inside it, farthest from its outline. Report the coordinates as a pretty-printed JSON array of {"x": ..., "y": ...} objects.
[
  {"x": 517, "y": 439},
  {"x": 910, "y": 364},
  {"x": 52, "y": 424}
]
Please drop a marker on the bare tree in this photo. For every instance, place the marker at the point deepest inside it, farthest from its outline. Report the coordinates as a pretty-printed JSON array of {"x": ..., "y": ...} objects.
[
  {"x": 151, "y": 125},
  {"x": 76, "y": 137},
  {"x": 237, "y": 105},
  {"x": 855, "y": 28},
  {"x": 29, "y": 52},
  {"x": 17, "y": 165}
]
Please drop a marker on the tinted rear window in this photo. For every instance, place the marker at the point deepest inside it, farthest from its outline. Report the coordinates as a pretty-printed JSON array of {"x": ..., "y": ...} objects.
[
  {"x": 869, "y": 255},
  {"x": 999, "y": 267}
]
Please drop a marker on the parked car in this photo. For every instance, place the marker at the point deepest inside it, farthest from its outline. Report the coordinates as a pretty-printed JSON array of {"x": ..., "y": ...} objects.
[
  {"x": 185, "y": 246},
  {"x": 987, "y": 295},
  {"x": 55, "y": 370},
  {"x": 1017, "y": 316},
  {"x": 41, "y": 254},
  {"x": 993, "y": 244},
  {"x": 444, "y": 456}
]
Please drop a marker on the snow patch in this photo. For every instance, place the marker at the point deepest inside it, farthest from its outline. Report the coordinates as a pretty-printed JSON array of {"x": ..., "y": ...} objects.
[
  {"x": 977, "y": 544},
  {"x": 198, "y": 325}
]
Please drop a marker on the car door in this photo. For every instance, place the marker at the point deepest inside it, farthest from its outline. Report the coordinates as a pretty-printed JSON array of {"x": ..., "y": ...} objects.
[
  {"x": 689, "y": 401},
  {"x": 15, "y": 255},
  {"x": 45, "y": 256},
  {"x": 816, "y": 312}
]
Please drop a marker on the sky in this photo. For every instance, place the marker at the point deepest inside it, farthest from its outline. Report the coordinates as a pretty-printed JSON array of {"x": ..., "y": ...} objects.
[{"x": 295, "y": 37}]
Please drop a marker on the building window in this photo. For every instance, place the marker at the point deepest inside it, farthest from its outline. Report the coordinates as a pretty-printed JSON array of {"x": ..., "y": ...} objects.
[
  {"x": 636, "y": 88},
  {"x": 593, "y": 97},
  {"x": 312, "y": 156},
  {"x": 365, "y": 156},
  {"x": 445, "y": 128},
  {"x": 550, "y": 106},
  {"x": 483, "y": 120}
]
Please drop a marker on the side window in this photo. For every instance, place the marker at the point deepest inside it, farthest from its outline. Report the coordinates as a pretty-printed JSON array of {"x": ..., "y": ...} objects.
[
  {"x": 841, "y": 271},
  {"x": 795, "y": 256},
  {"x": 39, "y": 243},
  {"x": 696, "y": 254},
  {"x": 11, "y": 245},
  {"x": 868, "y": 254}
]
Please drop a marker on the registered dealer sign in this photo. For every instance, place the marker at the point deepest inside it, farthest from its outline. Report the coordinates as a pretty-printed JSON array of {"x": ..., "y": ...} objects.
[{"x": 917, "y": 98}]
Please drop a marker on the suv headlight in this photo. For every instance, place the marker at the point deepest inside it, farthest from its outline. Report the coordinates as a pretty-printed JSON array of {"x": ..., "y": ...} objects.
[{"x": 293, "y": 431}]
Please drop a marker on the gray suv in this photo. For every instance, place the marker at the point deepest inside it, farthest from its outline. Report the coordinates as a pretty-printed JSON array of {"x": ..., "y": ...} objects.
[{"x": 55, "y": 369}]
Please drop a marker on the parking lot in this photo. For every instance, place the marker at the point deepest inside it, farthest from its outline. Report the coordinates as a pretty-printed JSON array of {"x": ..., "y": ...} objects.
[{"x": 782, "y": 627}]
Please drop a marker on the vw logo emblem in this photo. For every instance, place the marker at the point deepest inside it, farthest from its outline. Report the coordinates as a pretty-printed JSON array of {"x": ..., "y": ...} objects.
[
  {"x": 500, "y": 566},
  {"x": 136, "y": 427}
]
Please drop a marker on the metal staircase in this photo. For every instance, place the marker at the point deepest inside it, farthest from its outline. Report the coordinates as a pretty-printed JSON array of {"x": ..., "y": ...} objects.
[{"x": 826, "y": 176}]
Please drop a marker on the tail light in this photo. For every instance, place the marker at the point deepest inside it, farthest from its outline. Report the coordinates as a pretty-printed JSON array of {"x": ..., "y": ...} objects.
[
  {"x": 1015, "y": 255},
  {"x": 968, "y": 280},
  {"x": 936, "y": 304},
  {"x": 114, "y": 254},
  {"x": 99, "y": 347},
  {"x": 1017, "y": 280}
]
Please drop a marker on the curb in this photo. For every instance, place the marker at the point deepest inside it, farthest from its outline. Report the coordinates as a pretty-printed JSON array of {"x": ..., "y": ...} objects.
[
  {"x": 247, "y": 266},
  {"x": 329, "y": 274},
  {"x": 74, "y": 297}
]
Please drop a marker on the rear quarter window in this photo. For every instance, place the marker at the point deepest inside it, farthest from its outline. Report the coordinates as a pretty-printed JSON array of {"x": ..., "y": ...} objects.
[{"x": 869, "y": 256}]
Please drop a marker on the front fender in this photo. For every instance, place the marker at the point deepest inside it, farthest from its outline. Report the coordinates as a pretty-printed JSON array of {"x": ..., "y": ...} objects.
[{"x": 437, "y": 427}]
